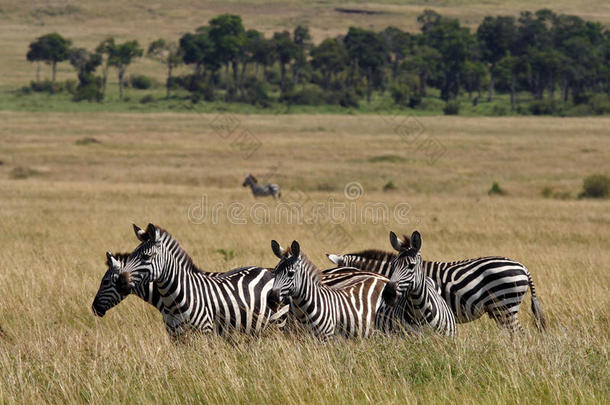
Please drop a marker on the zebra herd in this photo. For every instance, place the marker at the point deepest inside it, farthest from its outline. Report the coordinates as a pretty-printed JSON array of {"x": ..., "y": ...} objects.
[{"x": 368, "y": 291}]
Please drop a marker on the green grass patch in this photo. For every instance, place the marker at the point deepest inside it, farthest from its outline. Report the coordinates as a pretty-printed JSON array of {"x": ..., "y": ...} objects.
[{"x": 387, "y": 159}]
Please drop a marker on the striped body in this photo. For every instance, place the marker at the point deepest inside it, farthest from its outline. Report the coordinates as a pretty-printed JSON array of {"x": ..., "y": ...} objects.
[
  {"x": 235, "y": 301},
  {"x": 348, "y": 308},
  {"x": 262, "y": 190},
  {"x": 473, "y": 287}
]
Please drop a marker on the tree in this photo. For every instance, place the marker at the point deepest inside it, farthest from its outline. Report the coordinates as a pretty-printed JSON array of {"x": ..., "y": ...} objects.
[
  {"x": 496, "y": 36},
  {"x": 228, "y": 35},
  {"x": 454, "y": 43},
  {"x": 425, "y": 62},
  {"x": 121, "y": 57},
  {"x": 302, "y": 40},
  {"x": 167, "y": 53},
  {"x": 509, "y": 67},
  {"x": 399, "y": 44},
  {"x": 285, "y": 50},
  {"x": 474, "y": 74},
  {"x": 366, "y": 50},
  {"x": 105, "y": 49},
  {"x": 330, "y": 57},
  {"x": 198, "y": 50},
  {"x": 51, "y": 49},
  {"x": 90, "y": 86}
]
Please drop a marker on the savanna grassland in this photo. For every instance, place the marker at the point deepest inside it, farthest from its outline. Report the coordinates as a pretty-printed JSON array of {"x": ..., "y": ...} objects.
[
  {"x": 67, "y": 200},
  {"x": 72, "y": 183}
]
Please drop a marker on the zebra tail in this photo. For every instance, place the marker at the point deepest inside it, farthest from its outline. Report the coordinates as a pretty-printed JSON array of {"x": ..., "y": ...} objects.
[{"x": 536, "y": 306}]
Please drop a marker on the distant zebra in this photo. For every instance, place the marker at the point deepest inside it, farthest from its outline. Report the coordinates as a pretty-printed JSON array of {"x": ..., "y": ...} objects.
[
  {"x": 192, "y": 300},
  {"x": 412, "y": 298},
  {"x": 260, "y": 190},
  {"x": 472, "y": 287},
  {"x": 348, "y": 308}
]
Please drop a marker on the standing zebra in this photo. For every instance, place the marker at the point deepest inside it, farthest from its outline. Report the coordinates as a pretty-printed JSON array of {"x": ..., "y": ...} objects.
[
  {"x": 472, "y": 287},
  {"x": 193, "y": 300},
  {"x": 412, "y": 298},
  {"x": 348, "y": 308},
  {"x": 259, "y": 190}
]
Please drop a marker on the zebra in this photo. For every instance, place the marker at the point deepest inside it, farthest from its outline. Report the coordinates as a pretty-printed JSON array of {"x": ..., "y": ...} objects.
[
  {"x": 108, "y": 296},
  {"x": 235, "y": 301},
  {"x": 259, "y": 190},
  {"x": 411, "y": 297},
  {"x": 490, "y": 285},
  {"x": 348, "y": 308}
]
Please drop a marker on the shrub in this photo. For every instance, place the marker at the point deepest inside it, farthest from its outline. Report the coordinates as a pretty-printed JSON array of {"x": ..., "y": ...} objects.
[
  {"x": 89, "y": 92},
  {"x": 227, "y": 254},
  {"x": 306, "y": 96},
  {"x": 46, "y": 86},
  {"x": 595, "y": 186},
  {"x": 345, "y": 98},
  {"x": 147, "y": 99},
  {"x": 86, "y": 141},
  {"x": 496, "y": 189},
  {"x": 140, "y": 82},
  {"x": 499, "y": 110},
  {"x": 20, "y": 173},
  {"x": 452, "y": 107},
  {"x": 389, "y": 186},
  {"x": 600, "y": 104},
  {"x": 256, "y": 92},
  {"x": 547, "y": 192},
  {"x": 71, "y": 85},
  {"x": 176, "y": 82},
  {"x": 544, "y": 107}
]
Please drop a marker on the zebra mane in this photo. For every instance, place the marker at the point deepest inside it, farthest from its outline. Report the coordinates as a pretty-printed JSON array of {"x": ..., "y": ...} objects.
[
  {"x": 373, "y": 254},
  {"x": 172, "y": 244},
  {"x": 253, "y": 178},
  {"x": 308, "y": 264}
]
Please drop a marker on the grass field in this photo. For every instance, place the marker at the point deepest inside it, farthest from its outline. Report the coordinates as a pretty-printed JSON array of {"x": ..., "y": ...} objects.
[{"x": 67, "y": 199}]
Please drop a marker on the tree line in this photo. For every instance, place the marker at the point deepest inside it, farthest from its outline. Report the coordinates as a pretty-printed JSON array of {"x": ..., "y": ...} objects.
[{"x": 560, "y": 59}]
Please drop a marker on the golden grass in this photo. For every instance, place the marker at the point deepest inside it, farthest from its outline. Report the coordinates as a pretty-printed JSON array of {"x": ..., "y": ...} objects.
[{"x": 55, "y": 227}]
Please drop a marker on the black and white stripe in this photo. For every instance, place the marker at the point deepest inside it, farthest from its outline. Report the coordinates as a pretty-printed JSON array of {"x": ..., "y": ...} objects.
[
  {"x": 346, "y": 306},
  {"x": 412, "y": 300},
  {"x": 192, "y": 300},
  {"x": 473, "y": 287},
  {"x": 262, "y": 190}
]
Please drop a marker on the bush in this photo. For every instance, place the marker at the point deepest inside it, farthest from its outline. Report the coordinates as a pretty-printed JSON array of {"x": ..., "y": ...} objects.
[
  {"x": 499, "y": 110},
  {"x": 86, "y": 141},
  {"x": 452, "y": 107},
  {"x": 496, "y": 189},
  {"x": 176, "y": 82},
  {"x": 389, "y": 186},
  {"x": 596, "y": 186},
  {"x": 20, "y": 173},
  {"x": 71, "y": 86},
  {"x": 140, "y": 82},
  {"x": 544, "y": 107},
  {"x": 306, "y": 96},
  {"x": 46, "y": 86},
  {"x": 600, "y": 104},
  {"x": 256, "y": 92},
  {"x": 343, "y": 97},
  {"x": 147, "y": 99}
]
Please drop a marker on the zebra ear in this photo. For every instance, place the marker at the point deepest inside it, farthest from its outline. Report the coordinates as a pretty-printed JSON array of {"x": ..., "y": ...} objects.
[
  {"x": 277, "y": 249},
  {"x": 334, "y": 258},
  {"x": 295, "y": 249},
  {"x": 140, "y": 233},
  {"x": 416, "y": 240},
  {"x": 397, "y": 244},
  {"x": 112, "y": 262},
  {"x": 152, "y": 232}
]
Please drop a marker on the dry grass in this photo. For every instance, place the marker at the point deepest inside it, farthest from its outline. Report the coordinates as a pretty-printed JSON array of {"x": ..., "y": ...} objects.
[{"x": 56, "y": 226}]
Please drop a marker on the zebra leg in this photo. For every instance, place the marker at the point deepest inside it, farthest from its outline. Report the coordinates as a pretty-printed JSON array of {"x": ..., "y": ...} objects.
[{"x": 506, "y": 319}]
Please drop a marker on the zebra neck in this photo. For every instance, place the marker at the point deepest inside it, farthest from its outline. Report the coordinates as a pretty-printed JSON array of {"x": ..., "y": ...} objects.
[
  {"x": 150, "y": 293},
  {"x": 308, "y": 282},
  {"x": 418, "y": 295}
]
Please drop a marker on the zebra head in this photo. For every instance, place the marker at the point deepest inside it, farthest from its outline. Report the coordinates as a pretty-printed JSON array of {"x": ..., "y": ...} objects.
[
  {"x": 406, "y": 269},
  {"x": 144, "y": 263},
  {"x": 284, "y": 281},
  {"x": 250, "y": 180},
  {"x": 113, "y": 286}
]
